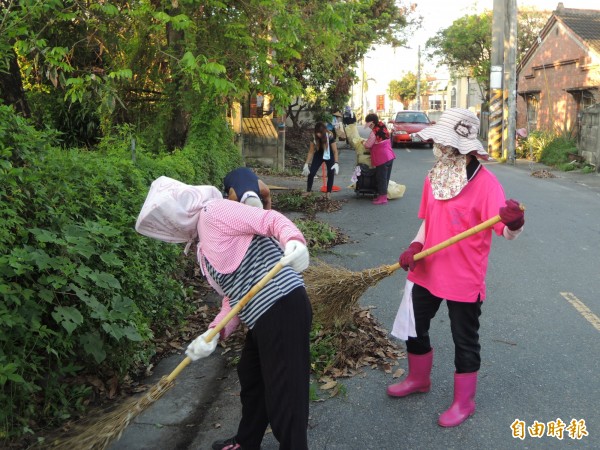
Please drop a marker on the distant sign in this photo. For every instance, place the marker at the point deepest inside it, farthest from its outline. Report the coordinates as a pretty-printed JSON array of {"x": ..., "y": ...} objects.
[{"x": 380, "y": 102}]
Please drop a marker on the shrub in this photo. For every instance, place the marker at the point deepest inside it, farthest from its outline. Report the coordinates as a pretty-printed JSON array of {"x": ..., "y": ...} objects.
[
  {"x": 549, "y": 148},
  {"x": 82, "y": 291},
  {"x": 557, "y": 150}
]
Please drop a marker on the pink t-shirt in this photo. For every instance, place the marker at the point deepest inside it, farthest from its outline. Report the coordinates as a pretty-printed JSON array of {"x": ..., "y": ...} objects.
[{"x": 458, "y": 271}]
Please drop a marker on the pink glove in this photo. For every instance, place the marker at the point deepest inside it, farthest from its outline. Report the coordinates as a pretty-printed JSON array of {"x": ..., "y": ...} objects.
[
  {"x": 407, "y": 259},
  {"x": 512, "y": 216},
  {"x": 228, "y": 329}
]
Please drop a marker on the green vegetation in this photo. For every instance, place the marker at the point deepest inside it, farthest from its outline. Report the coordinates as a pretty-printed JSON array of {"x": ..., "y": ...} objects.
[
  {"x": 82, "y": 291},
  {"x": 294, "y": 200},
  {"x": 318, "y": 235},
  {"x": 552, "y": 149},
  {"x": 466, "y": 45},
  {"x": 98, "y": 99}
]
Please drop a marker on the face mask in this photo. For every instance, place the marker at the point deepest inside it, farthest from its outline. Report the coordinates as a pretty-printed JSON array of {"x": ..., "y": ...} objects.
[{"x": 449, "y": 174}]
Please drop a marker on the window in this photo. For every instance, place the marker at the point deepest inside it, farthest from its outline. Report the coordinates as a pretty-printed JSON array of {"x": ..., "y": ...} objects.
[{"x": 532, "y": 110}]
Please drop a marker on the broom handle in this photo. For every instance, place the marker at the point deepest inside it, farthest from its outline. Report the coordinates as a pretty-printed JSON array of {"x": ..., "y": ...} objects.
[
  {"x": 454, "y": 239},
  {"x": 236, "y": 309}
]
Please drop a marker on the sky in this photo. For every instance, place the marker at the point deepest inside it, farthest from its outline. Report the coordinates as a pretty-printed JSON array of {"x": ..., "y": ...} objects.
[{"x": 384, "y": 63}]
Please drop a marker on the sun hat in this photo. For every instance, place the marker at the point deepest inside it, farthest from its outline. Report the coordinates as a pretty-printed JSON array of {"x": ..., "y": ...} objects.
[
  {"x": 337, "y": 114},
  {"x": 458, "y": 128}
]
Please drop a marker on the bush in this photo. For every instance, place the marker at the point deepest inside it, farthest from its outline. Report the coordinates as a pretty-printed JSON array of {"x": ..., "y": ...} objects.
[
  {"x": 82, "y": 291},
  {"x": 549, "y": 148},
  {"x": 557, "y": 151}
]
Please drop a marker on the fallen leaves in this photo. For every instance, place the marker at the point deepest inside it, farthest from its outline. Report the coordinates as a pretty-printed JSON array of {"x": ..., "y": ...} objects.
[
  {"x": 543, "y": 173},
  {"x": 363, "y": 343}
]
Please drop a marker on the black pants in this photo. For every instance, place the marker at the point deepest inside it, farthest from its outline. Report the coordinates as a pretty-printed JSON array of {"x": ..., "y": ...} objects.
[
  {"x": 274, "y": 372},
  {"x": 383, "y": 173},
  {"x": 314, "y": 168},
  {"x": 464, "y": 323}
]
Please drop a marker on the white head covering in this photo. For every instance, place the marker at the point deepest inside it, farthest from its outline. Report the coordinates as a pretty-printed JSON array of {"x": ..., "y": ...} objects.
[
  {"x": 171, "y": 210},
  {"x": 458, "y": 128},
  {"x": 251, "y": 198}
]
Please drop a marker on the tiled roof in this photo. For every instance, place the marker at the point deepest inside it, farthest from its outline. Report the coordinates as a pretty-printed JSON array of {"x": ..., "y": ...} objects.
[
  {"x": 584, "y": 22},
  {"x": 262, "y": 127}
]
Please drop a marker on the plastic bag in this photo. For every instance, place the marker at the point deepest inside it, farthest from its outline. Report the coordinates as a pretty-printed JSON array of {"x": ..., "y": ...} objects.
[
  {"x": 395, "y": 190},
  {"x": 171, "y": 210}
]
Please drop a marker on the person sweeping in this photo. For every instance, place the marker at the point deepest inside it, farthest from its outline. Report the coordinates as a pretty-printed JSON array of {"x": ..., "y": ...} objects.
[
  {"x": 244, "y": 186},
  {"x": 238, "y": 245},
  {"x": 458, "y": 193}
]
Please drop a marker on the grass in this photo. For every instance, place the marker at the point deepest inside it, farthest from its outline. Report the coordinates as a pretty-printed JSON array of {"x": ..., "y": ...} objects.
[{"x": 318, "y": 235}]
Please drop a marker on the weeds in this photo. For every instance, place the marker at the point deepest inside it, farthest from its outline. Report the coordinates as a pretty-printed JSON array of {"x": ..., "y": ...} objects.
[
  {"x": 295, "y": 200},
  {"x": 318, "y": 235}
]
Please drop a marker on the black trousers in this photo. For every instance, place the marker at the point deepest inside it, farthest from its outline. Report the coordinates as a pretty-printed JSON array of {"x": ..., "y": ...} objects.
[
  {"x": 314, "y": 168},
  {"x": 274, "y": 372},
  {"x": 383, "y": 173},
  {"x": 464, "y": 324}
]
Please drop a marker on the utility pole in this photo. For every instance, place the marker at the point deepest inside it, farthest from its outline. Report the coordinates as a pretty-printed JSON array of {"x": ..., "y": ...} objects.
[
  {"x": 362, "y": 89},
  {"x": 497, "y": 63},
  {"x": 510, "y": 83},
  {"x": 419, "y": 78}
]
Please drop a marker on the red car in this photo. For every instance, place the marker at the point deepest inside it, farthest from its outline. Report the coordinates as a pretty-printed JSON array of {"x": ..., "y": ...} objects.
[{"x": 405, "y": 124}]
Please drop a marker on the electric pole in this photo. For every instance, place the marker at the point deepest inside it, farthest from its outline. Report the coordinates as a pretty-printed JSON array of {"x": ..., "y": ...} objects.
[
  {"x": 419, "y": 78},
  {"x": 510, "y": 80},
  {"x": 497, "y": 63}
]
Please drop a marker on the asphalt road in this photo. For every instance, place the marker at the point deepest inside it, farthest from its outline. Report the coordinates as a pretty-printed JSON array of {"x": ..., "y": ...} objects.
[
  {"x": 540, "y": 355},
  {"x": 539, "y": 332}
]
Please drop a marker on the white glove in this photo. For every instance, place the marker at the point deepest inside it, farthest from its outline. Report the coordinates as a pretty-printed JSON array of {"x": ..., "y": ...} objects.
[
  {"x": 199, "y": 348},
  {"x": 336, "y": 168},
  {"x": 305, "y": 170},
  {"x": 295, "y": 255}
]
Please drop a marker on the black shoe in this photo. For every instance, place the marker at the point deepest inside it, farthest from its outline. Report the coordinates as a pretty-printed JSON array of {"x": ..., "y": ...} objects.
[{"x": 227, "y": 444}]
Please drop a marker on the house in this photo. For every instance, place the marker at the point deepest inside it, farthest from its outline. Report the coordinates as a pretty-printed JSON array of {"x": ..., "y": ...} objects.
[{"x": 559, "y": 76}]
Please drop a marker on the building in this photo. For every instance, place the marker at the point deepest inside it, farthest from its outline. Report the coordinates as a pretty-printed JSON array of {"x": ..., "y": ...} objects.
[{"x": 560, "y": 74}]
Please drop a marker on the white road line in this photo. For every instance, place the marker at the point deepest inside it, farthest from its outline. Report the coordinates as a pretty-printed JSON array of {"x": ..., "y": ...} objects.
[{"x": 582, "y": 309}]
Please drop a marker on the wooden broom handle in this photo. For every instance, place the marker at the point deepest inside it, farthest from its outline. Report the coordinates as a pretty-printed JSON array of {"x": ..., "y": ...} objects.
[
  {"x": 454, "y": 239},
  {"x": 234, "y": 311}
]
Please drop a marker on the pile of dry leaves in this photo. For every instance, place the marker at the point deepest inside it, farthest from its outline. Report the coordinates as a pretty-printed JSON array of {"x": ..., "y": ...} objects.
[
  {"x": 543, "y": 173},
  {"x": 362, "y": 344}
]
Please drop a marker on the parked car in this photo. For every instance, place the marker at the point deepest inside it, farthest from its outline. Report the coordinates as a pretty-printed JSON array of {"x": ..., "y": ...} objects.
[{"x": 405, "y": 124}]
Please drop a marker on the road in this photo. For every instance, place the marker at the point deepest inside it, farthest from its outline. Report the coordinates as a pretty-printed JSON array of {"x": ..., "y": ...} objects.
[
  {"x": 539, "y": 332},
  {"x": 540, "y": 355}
]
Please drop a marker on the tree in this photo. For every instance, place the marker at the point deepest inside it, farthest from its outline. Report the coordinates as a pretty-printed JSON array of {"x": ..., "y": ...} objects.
[
  {"x": 530, "y": 23},
  {"x": 405, "y": 89},
  {"x": 466, "y": 45}
]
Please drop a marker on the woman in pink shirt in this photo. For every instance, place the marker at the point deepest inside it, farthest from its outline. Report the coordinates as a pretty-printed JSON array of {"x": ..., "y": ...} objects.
[
  {"x": 458, "y": 193},
  {"x": 382, "y": 155}
]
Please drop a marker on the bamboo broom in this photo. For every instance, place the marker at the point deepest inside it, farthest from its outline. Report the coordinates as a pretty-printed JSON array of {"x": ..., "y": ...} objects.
[
  {"x": 335, "y": 291},
  {"x": 110, "y": 427}
]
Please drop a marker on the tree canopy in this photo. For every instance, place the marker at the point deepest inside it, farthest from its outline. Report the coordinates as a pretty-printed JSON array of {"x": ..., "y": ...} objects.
[
  {"x": 405, "y": 89},
  {"x": 466, "y": 45},
  {"x": 148, "y": 62}
]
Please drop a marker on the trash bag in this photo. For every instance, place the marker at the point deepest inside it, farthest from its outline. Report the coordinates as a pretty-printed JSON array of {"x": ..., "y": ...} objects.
[{"x": 395, "y": 190}]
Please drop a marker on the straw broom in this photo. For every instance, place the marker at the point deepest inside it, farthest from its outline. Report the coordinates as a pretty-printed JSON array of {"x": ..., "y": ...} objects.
[
  {"x": 335, "y": 291},
  {"x": 108, "y": 428}
]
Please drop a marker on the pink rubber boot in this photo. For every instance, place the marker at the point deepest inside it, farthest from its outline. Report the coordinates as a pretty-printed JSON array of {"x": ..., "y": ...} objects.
[
  {"x": 463, "y": 406},
  {"x": 381, "y": 200},
  {"x": 419, "y": 369}
]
